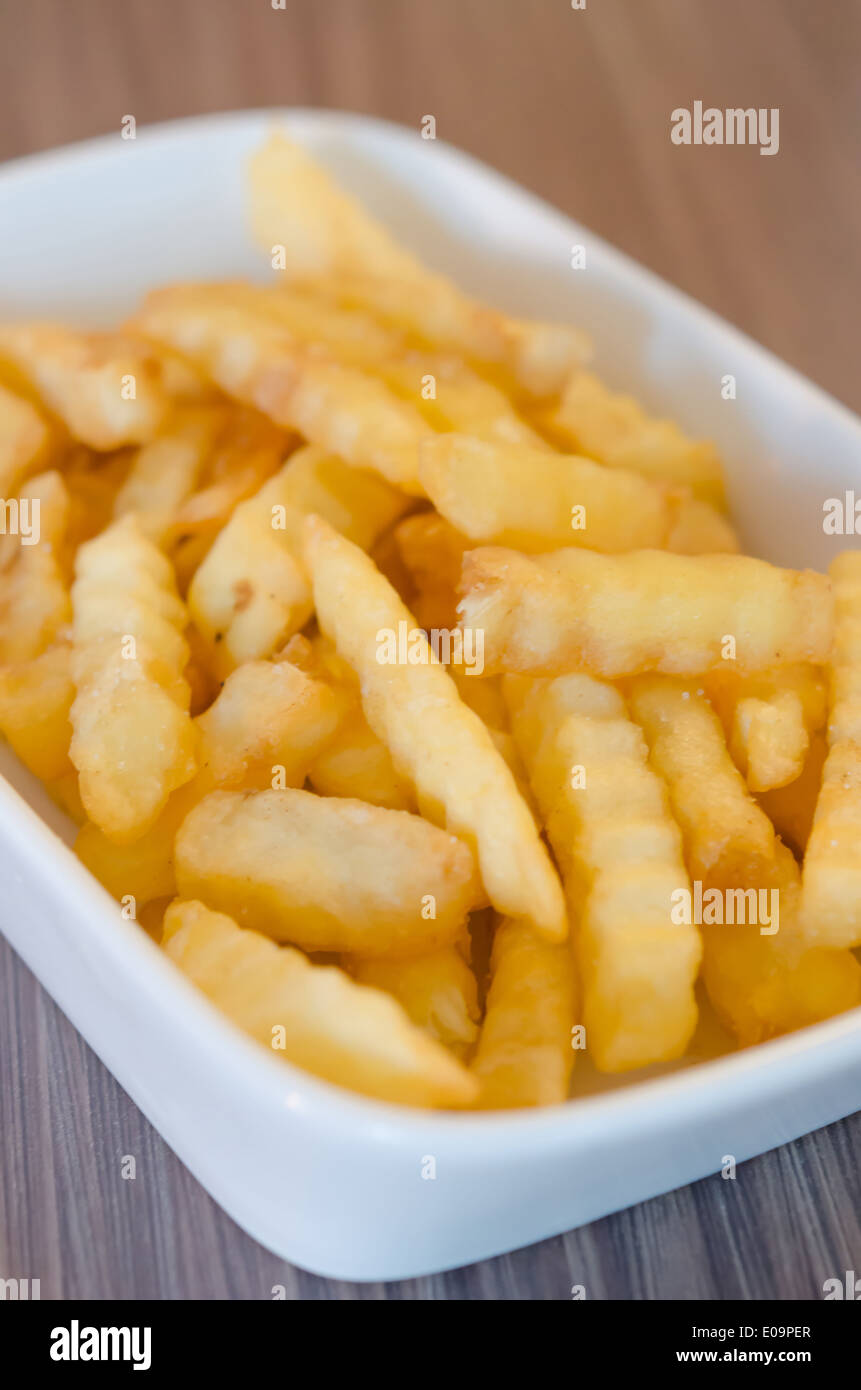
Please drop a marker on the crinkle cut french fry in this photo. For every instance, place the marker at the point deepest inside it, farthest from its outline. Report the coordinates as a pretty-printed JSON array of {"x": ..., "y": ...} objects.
[
  {"x": 790, "y": 809},
  {"x": 325, "y": 873},
  {"x": 107, "y": 389},
  {"x": 432, "y": 550},
  {"x": 314, "y": 1016},
  {"x": 34, "y": 598},
  {"x": 525, "y": 1051},
  {"x": 166, "y": 470},
  {"x": 764, "y": 979},
  {"x": 35, "y": 699},
  {"x": 768, "y": 719},
  {"x": 266, "y": 728},
  {"x": 729, "y": 841},
  {"x": 451, "y": 396},
  {"x": 252, "y": 591},
  {"x": 326, "y": 234},
  {"x": 514, "y": 496},
  {"x": 619, "y": 850},
  {"x": 26, "y": 441},
  {"x": 618, "y": 615},
  {"x": 253, "y": 358},
  {"x": 831, "y": 895},
  {"x": 461, "y": 780},
  {"x": 133, "y": 742},
  {"x": 437, "y": 990},
  {"x": 617, "y": 432}
]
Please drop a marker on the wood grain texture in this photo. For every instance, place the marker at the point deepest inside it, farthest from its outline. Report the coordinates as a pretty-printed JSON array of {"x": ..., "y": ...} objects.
[{"x": 575, "y": 105}]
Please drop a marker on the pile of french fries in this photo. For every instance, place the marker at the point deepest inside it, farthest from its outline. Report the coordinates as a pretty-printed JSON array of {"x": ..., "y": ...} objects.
[{"x": 433, "y": 871}]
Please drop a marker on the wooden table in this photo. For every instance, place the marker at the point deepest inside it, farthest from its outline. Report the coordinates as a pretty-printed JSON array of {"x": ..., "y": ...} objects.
[{"x": 576, "y": 105}]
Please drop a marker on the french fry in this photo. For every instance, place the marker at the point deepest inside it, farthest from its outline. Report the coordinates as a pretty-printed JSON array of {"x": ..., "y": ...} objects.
[
  {"x": 106, "y": 388},
  {"x": 507, "y": 494},
  {"x": 525, "y": 1051},
  {"x": 618, "y": 615},
  {"x": 93, "y": 481},
  {"x": 432, "y": 551},
  {"x": 35, "y": 699},
  {"x": 461, "y": 780},
  {"x": 34, "y": 598},
  {"x": 619, "y": 851},
  {"x": 790, "y": 809},
  {"x": 592, "y": 420},
  {"x": 133, "y": 741},
  {"x": 252, "y": 592},
  {"x": 768, "y": 720},
  {"x": 763, "y": 984},
  {"x": 831, "y": 893},
  {"x": 27, "y": 441},
  {"x": 729, "y": 841},
  {"x": 451, "y": 396},
  {"x": 313, "y": 1016},
  {"x": 325, "y": 234},
  {"x": 327, "y": 874},
  {"x": 256, "y": 360},
  {"x": 167, "y": 469},
  {"x": 266, "y": 728},
  {"x": 437, "y": 990}
]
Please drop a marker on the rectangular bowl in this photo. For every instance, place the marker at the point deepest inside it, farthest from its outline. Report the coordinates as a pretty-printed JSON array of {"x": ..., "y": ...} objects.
[{"x": 328, "y": 1180}]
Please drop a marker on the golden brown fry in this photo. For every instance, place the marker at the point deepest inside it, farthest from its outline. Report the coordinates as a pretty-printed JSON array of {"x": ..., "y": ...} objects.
[
  {"x": 768, "y": 720},
  {"x": 324, "y": 233},
  {"x": 461, "y": 780},
  {"x": 27, "y": 441},
  {"x": 252, "y": 592},
  {"x": 265, "y": 729},
  {"x": 432, "y": 551},
  {"x": 325, "y": 873},
  {"x": 35, "y": 699},
  {"x": 259, "y": 362},
  {"x": 616, "y": 431},
  {"x": 525, "y": 1050},
  {"x": 167, "y": 469},
  {"x": 133, "y": 742},
  {"x": 107, "y": 389},
  {"x": 313, "y": 1016},
  {"x": 437, "y": 990},
  {"x": 831, "y": 896},
  {"x": 729, "y": 841},
  {"x": 791, "y": 808},
  {"x": 618, "y": 615},
  {"x": 619, "y": 851}
]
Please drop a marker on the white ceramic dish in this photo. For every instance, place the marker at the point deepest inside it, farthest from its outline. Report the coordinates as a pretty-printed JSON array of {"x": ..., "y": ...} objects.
[{"x": 330, "y": 1181}]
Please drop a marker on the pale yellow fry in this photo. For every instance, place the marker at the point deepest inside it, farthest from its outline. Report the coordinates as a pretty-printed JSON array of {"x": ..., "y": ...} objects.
[
  {"x": 265, "y": 729},
  {"x": 534, "y": 501},
  {"x": 34, "y": 598},
  {"x": 106, "y": 388},
  {"x": 525, "y": 1051},
  {"x": 167, "y": 469},
  {"x": 311, "y": 1015},
  {"x": 258, "y": 361},
  {"x": 700, "y": 529},
  {"x": 252, "y": 592},
  {"x": 26, "y": 441},
  {"x": 35, "y": 699},
  {"x": 765, "y": 983},
  {"x": 831, "y": 896},
  {"x": 619, "y": 849},
  {"x": 134, "y": 742},
  {"x": 324, "y": 232},
  {"x": 729, "y": 841},
  {"x": 461, "y": 780},
  {"x": 768, "y": 720},
  {"x": 325, "y": 873},
  {"x": 438, "y": 991},
  {"x": 617, "y": 615},
  {"x": 616, "y": 431},
  {"x": 452, "y": 396}
]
